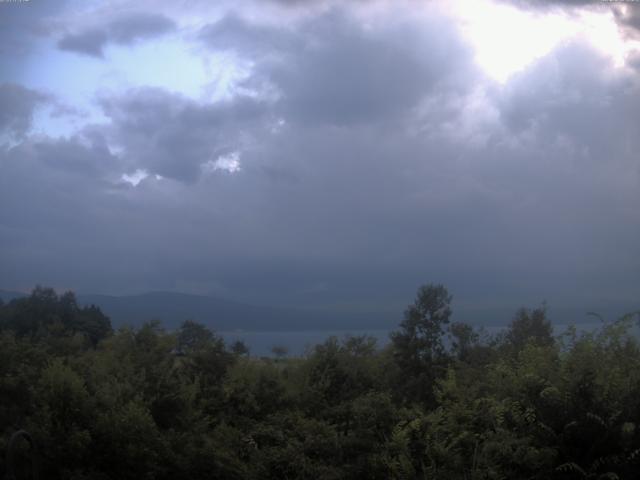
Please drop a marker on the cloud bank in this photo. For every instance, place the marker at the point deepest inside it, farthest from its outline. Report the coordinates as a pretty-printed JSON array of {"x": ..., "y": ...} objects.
[
  {"x": 124, "y": 30},
  {"x": 356, "y": 156}
]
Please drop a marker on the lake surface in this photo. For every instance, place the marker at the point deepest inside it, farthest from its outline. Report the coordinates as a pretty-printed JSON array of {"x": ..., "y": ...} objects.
[{"x": 298, "y": 342}]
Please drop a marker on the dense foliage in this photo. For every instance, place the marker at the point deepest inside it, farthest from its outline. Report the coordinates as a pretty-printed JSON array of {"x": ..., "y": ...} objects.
[{"x": 440, "y": 401}]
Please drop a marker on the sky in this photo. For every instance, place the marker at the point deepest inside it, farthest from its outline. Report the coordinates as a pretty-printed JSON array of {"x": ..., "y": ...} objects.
[{"x": 322, "y": 153}]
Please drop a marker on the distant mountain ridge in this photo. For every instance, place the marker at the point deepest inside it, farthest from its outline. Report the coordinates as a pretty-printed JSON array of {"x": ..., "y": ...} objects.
[
  {"x": 8, "y": 295},
  {"x": 221, "y": 314},
  {"x": 173, "y": 308}
]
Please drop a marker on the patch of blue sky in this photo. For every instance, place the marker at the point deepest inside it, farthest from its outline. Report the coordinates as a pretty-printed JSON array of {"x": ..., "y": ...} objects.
[{"x": 76, "y": 81}]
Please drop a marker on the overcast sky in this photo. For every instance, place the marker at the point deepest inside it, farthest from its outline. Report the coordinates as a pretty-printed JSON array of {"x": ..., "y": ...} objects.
[{"x": 322, "y": 152}]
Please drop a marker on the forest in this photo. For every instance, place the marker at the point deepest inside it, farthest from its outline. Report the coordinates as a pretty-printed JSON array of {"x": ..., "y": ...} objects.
[{"x": 442, "y": 400}]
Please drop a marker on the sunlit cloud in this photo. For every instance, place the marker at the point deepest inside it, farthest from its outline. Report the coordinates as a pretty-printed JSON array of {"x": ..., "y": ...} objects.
[
  {"x": 605, "y": 35},
  {"x": 507, "y": 39},
  {"x": 135, "y": 178},
  {"x": 229, "y": 163}
]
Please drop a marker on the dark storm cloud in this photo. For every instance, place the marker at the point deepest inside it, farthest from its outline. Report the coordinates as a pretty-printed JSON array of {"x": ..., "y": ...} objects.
[
  {"x": 334, "y": 74},
  {"x": 124, "y": 30},
  {"x": 373, "y": 158},
  {"x": 51, "y": 187},
  {"x": 59, "y": 211},
  {"x": 627, "y": 14},
  {"x": 128, "y": 29},
  {"x": 21, "y": 22},
  {"x": 629, "y": 20},
  {"x": 361, "y": 204},
  {"x": 332, "y": 69},
  {"x": 90, "y": 42},
  {"x": 551, "y": 3},
  {"x": 574, "y": 92},
  {"x": 558, "y": 4},
  {"x": 234, "y": 33},
  {"x": 173, "y": 136},
  {"x": 17, "y": 106},
  {"x": 307, "y": 3},
  {"x": 344, "y": 75},
  {"x": 634, "y": 60}
]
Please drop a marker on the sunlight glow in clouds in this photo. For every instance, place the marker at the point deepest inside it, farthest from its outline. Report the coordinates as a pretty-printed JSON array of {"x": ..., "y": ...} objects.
[
  {"x": 135, "y": 178},
  {"x": 507, "y": 39},
  {"x": 229, "y": 163},
  {"x": 603, "y": 33}
]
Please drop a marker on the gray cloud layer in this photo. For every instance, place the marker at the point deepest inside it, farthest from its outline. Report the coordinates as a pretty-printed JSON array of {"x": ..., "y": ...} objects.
[
  {"x": 372, "y": 159},
  {"x": 123, "y": 30},
  {"x": 18, "y": 105},
  {"x": 627, "y": 13}
]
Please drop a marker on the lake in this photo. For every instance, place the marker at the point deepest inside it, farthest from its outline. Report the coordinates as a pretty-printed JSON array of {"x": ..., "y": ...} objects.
[{"x": 297, "y": 342}]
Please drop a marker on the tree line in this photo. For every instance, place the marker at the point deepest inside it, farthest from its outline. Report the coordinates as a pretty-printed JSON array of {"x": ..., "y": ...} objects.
[{"x": 441, "y": 400}]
